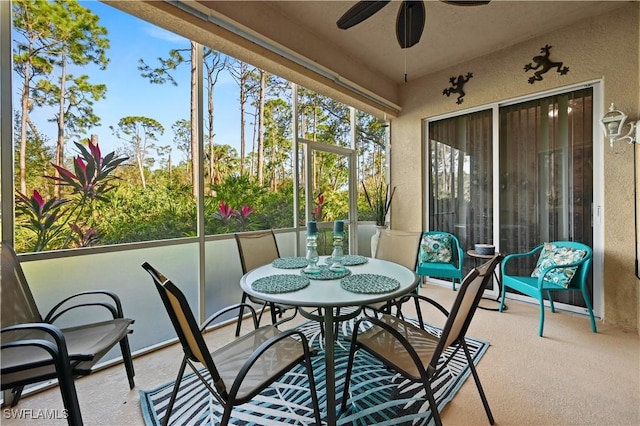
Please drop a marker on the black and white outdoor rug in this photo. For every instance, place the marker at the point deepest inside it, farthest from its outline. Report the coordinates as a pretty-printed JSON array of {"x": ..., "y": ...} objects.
[{"x": 379, "y": 396}]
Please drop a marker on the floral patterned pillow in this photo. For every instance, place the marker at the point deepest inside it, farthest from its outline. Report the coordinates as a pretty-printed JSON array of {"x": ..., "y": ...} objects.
[
  {"x": 553, "y": 255},
  {"x": 435, "y": 248}
]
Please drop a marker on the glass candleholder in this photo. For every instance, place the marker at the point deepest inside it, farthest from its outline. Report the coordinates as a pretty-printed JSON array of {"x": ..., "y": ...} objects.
[
  {"x": 312, "y": 254},
  {"x": 337, "y": 256}
]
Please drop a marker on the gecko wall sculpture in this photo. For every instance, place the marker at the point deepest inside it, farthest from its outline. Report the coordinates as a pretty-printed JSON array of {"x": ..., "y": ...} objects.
[
  {"x": 543, "y": 64},
  {"x": 457, "y": 85}
]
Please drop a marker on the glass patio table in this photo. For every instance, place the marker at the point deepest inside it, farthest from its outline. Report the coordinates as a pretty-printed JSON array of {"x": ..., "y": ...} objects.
[{"x": 368, "y": 283}]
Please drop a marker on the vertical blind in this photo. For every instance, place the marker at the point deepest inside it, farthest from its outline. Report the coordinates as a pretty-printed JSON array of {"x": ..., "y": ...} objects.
[
  {"x": 461, "y": 178},
  {"x": 546, "y": 174}
]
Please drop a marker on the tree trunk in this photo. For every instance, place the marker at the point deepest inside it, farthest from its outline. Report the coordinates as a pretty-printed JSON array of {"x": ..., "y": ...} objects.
[
  {"x": 261, "y": 128},
  {"x": 140, "y": 161},
  {"x": 211, "y": 106},
  {"x": 23, "y": 132},
  {"x": 194, "y": 122},
  {"x": 60, "y": 143},
  {"x": 242, "y": 142},
  {"x": 274, "y": 168},
  {"x": 254, "y": 129}
]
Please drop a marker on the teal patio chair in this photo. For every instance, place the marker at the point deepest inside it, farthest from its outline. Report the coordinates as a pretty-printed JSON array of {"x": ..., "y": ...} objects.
[
  {"x": 561, "y": 266},
  {"x": 441, "y": 257}
]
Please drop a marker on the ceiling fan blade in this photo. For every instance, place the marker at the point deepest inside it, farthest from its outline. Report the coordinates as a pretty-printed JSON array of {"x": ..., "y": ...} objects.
[
  {"x": 359, "y": 12},
  {"x": 466, "y": 2},
  {"x": 410, "y": 23}
]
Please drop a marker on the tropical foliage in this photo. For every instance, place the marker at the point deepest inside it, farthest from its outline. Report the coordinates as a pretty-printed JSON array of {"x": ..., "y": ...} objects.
[
  {"x": 379, "y": 200},
  {"x": 142, "y": 190},
  {"x": 90, "y": 184}
]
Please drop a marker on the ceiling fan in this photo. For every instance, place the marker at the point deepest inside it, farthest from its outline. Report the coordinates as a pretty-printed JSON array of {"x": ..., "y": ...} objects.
[{"x": 409, "y": 23}]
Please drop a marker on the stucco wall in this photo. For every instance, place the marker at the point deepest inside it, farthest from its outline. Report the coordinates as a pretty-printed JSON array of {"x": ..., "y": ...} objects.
[{"x": 605, "y": 48}]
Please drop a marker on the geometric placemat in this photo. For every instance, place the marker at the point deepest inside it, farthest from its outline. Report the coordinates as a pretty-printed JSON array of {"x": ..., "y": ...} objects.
[
  {"x": 280, "y": 283},
  {"x": 369, "y": 283},
  {"x": 290, "y": 263},
  {"x": 350, "y": 260}
]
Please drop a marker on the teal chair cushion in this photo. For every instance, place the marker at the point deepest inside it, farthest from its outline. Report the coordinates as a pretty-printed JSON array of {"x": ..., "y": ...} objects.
[
  {"x": 435, "y": 248},
  {"x": 554, "y": 255},
  {"x": 440, "y": 270}
]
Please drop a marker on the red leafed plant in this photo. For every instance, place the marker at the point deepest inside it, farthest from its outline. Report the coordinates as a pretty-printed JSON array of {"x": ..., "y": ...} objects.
[
  {"x": 228, "y": 215},
  {"x": 317, "y": 210},
  {"x": 89, "y": 182}
]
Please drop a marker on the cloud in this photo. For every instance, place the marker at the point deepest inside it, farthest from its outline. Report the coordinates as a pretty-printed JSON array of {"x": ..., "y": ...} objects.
[{"x": 159, "y": 33}]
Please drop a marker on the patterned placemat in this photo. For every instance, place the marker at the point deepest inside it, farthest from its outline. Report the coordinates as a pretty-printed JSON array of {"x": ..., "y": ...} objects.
[
  {"x": 369, "y": 283},
  {"x": 350, "y": 260},
  {"x": 326, "y": 274},
  {"x": 280, "y": 283},
  {"x": 290, "y": 263}
]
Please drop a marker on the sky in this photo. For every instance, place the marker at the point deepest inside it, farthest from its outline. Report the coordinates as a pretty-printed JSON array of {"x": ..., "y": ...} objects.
[{"x": 129, "y": 94}]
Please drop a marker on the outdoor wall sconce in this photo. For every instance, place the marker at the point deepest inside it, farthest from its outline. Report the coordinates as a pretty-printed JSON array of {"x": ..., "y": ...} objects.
[{"x": 613, "y": 124}]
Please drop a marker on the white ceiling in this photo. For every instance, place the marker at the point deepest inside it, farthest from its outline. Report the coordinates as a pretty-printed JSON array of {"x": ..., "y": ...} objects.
[{"x": 452, "y": 34}]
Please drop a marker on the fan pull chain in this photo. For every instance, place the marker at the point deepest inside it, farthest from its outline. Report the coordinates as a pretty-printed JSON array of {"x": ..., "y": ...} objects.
[
  {"x": 405, "y": 65},
  {"x": 406, "y": 12}
]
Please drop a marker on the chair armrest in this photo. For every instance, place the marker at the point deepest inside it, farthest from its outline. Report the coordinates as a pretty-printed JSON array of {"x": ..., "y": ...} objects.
[
  {"x": 57, "y": 349},
  {"x": 59, "y": 358},
  {"x": 514, "y": 256},
  {"x": 283, "y": 320},
  {"x": 396, "y": 335},
  {"x": 519, "y": 255},
  {"x": 114, "y": 308},
  {"x": 460, "y": 256},
  {"x": 227, "y": 309},
  {"x": 50, "y": 329},
  {"x": 266, "y": 345},
  {"x": 418, "y": 297}
]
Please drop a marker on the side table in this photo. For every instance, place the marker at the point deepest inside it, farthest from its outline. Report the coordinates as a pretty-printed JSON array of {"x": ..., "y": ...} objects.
[{"x": 475, "y": 255}]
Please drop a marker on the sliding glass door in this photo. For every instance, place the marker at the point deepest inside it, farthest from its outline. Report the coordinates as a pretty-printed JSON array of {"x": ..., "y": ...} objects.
[
  {"x": 546, "y": 174},
  {"x": 461, "y": 178},
  {"x": 539, "y": 187}
]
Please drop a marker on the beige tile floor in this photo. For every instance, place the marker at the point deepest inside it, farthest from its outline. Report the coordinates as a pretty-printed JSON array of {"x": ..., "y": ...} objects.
[{"x": 570, "y": 377}]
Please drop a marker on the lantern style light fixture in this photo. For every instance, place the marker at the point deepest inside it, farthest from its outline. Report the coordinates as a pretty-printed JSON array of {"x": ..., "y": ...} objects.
[{"x": 613, "y": 124}]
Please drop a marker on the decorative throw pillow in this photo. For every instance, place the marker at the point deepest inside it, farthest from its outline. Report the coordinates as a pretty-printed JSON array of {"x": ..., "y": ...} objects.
[
  {"x": 435, "y": 248},
  {"x": 553, "y": 255}
]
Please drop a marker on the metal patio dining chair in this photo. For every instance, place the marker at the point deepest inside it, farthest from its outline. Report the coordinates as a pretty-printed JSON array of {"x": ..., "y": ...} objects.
[
  {"x": 35, "y": 350},
  {"x": 257, "y": 249},
  {"x": 415, "y": 353},
  {"x": 399, "y": 247},
  {"x": 241, "y": 369}
]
